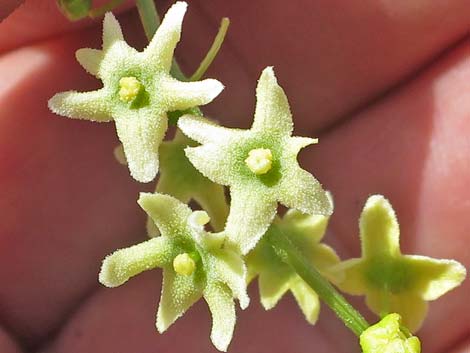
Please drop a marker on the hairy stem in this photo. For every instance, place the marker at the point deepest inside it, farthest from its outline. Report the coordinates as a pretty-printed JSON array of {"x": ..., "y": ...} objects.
[{"x": 289, "y": 253}]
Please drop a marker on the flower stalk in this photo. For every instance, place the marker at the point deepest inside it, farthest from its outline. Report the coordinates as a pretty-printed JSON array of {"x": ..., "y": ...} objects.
[{"x": 294, "y": 258}]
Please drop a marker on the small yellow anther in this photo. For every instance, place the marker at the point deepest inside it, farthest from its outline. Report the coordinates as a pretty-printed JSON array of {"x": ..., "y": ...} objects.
[
  {"x": 183, "y": 264},
  {"x": 129, "y": 88},
  {"x": 199, "y": 219},
  {"x": 259, "y": 160}
]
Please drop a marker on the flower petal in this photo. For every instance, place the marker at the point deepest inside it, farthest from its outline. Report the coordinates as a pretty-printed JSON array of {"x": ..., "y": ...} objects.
[
  {"x": 325, "y": 259},
  {"x": 112, "y": 31},
  {"x": 169, "y": 214},
  {"x": 160, "y": 50},
  {"x": 123, "y": 264},
  {"x": 141, "y": 133},
  {"x": 203, "y": 130},
  {"x": 219, "y": 298},
  {"x": 411, "y": 308},
  {"x": 433, "y": 278},
  {"x": 273, "y": 284},
  {"x": 379, "y": 229},
  {"x": 180, "y": 179},
  {"x": 303, "y": 228},
  {"x": 296, "y": 143},
  {"x": 180, "y": 95},
  {"x": 93, "y": 105},
  {"x": 179, "y": 293},
  {"x": 212, "y": 162},
  {"x": 250, "y": 216},
  {"x": 272, "y": 108},
  {"x": 307, "y": 299},
  {"x": 231, "y": 270},
  {"x": 352, "y": 280},
  {"x": 300, "y": 190},
  {"x": 90, "y": 59}
]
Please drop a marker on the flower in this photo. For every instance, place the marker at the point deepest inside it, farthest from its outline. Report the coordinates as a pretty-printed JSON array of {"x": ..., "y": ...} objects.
[
  {"x": 195, "y": 264},
  {"x": 259, "y": 165},
  {"x": 276, "y": 277},
  {"x": 138, "y": 90},
  {"x": 388, "y": 336},
  {"x": 180, "y": 179},
  {"x": 393, "y": 282}
]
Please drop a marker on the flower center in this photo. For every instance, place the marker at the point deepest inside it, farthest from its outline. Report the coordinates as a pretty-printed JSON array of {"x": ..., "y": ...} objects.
[
  {"x": 259, "y": 160},
  {"x": 129, "y": 89},
  {"x": 184, "y": 265}
]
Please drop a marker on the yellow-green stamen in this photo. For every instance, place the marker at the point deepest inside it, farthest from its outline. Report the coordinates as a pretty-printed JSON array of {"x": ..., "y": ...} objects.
[
  {"x": 199, "y": 219},
  {"x": 184, "y": 265},
  {"x": 259, "y": 160},
  {"x": 130, "y": 88}
]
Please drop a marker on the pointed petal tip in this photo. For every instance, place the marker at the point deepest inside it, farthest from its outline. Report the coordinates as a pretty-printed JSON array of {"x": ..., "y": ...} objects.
[
  {"x": 268, "y": 71},
  {"x": 148, "y": 197},
  {"x": 244, "y": 301},
  {"x": 110, "y": 21},
  {"x": 452, "y": 278},
  {"x": 148, "y": 200},
  {"x": 143, "y": 165},
  {"x": 54, "y": 103},
  {"x": 268, "y": 304},
  {"x": 161, "y": 326},
  {"x": 220, "y": 343},
  {"x": 111, "y": 30},
  {"x": 107, "y": 275},
  {"x": 375, "y": 200},
  {"x": 89, "y": 59},
  {"x": 58, "y": 104},
  {"x": 268, "y": 75},
  {"x": 176, "y": 12},
  {"x": 143, "y": 175},
  {"x": 108, "y": 16},
  {"x": 214, "y": 88},
  {"x": 180, "y": 5}
]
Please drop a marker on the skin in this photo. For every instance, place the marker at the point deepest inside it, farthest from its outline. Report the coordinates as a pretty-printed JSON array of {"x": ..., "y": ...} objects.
[{"x": 384, "y": 84}]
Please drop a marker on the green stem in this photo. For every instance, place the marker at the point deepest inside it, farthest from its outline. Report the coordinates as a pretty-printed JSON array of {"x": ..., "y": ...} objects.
[
  {"x": 148, "y": 16},
  {"x": 214, "y": 49},
  {"x": 289, "y": 253}
]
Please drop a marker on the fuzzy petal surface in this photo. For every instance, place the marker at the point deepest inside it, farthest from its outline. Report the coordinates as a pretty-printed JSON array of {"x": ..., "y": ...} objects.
[{"x": 179, "y": 293}]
